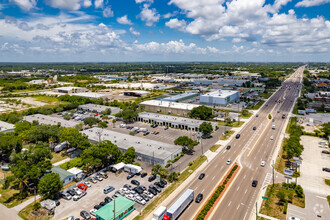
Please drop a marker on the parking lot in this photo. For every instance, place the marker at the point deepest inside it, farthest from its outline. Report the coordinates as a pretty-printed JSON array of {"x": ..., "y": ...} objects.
[{"x": 95, "y": 195}]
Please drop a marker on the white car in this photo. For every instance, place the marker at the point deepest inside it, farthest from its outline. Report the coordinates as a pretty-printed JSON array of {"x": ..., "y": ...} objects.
[
  {"x": 150, "y": 195},
  {"x": 88, "y": 184},
  {"x": 99, "y": 178},
  {"x": 92, "y": 211},
  {"x": 263, "y": 163},
  {"x": 271, "y": 137},
  {"x": 228, "y": 161},
  {"x": 293, "y": 218}
]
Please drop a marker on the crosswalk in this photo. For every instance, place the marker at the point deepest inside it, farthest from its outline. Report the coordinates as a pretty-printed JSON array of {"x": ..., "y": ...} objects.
[{"x": 268, "y": 179}]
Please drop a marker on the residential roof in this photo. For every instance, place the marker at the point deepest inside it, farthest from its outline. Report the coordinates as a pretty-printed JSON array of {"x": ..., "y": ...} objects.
[
  {"x": 49, "y": 120},
  {"x": 119, "y": 205},
  {"x": 63, "y": 173},
  {"x": 141, "y": 145},
  {"x": 4, "y": 126},
  {"x": 75, "y": 170},
  {"x": 174, "y": 105}
]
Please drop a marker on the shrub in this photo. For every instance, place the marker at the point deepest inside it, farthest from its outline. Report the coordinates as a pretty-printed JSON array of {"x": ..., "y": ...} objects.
[
  {"x": 190, "y": 163},
  {"x": 299, "y": 190},
  {"x": 36, "y": 206}
]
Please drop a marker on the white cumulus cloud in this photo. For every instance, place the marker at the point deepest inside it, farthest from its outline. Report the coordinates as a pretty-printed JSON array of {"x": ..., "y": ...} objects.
[
  {"x": 124, "y": 20},
  {"x": 25, "y": 5},
  {"x": 310, "y": 3},
  {"x": 149, "y": 16},
  {"x": 176, "y": 24},
  {"x": 107, "y": 12},
  {"x": 99, "y": 4},
  {"x": 65, "y": 4},
  {"x": 134, "y": 32}
]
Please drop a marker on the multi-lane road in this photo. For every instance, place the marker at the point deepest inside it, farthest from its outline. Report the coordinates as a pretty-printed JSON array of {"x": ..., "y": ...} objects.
[{"x": 248, "y": 151}]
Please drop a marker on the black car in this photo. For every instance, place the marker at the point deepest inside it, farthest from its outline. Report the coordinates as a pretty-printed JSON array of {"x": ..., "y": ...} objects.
[
  {"x": 85, "y": 215},
  {"x": 143, "y": 188},
  {"x": 144, "y": 196},
  {"x": 107, "y": 199},
  {"x": 254, "y": 128},
  {"x": 254, "y": 183},
  {"x": 151, "y": 178},
  {"x": 201, "y": 176},
  {"x": 326, "y": 152},
  {"x": 228, "y": 147},
  {"x": 159, "y": 184},
  {"x": 71, "y": 192},
  {"x": 326, "y": 169},
  {"x": 163, "y": 181},
  {"x": 143, "y": 175},
  {"x": 199, "y": 198},
  {"x": 102, "y": 204},
  {"x": 97, "y": 207},
  {"x": 57, "y": 202},
  {"x": 138, "y": 189},
  {"x": 130, "y": 176},
  {"x": 237, "y": 136},
  {"x": 135, "y": 182},
  {"x": 146, "y": 133},
  {"x": 128, "y": 186},
  {"x": 152, "y": 191}
]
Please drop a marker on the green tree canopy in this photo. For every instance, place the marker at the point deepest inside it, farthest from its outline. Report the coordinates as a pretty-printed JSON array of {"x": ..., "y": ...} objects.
[
  {"x": 185, "y": 142},
  {"x": 129, "y": 155},
  {"x": 202, "y": 112},
  {"x": 206, "y": 128},
  {"x": 50, "y": 185},
  {"x": 9, "y": 143},
  {"x": 75, "y": 138},
  {"x": 102, "y": 124},
  {"x": 159, "y": 170},
  {"x": 91, "y": 121},
  {"x": 106, "y": 112}
]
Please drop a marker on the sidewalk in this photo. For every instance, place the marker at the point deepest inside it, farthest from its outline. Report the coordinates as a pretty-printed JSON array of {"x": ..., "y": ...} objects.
[{"x": 62, "y": 161}]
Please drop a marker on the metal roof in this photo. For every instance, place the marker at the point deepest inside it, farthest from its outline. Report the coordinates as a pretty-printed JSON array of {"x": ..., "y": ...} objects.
[{"x": 119, "y": 205}]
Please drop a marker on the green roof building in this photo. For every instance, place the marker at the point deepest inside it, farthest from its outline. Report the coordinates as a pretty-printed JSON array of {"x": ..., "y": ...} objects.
[
  {"x": 65, "y": 176},
  {"x": 122, "y": 207}
]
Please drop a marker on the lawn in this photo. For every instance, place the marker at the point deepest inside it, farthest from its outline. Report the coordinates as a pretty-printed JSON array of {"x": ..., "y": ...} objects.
[
  {"x": 215, "y": 147},
  {"x": 266, "y": 95},
  {"x": 328, "y": 198},
  {"x": 246, "y": 116},
  {"x": 257, "y": 106},
  {"x": 227, "y": 135},
  {"x": 273, "y": 207},
  {"x": 233, "y": 124},
  {"x": 184, "y": 175},
  {"x": 28, "y": 213},
  {"x": 57, "y": 157},
  {"x": 48, "y": 99}
]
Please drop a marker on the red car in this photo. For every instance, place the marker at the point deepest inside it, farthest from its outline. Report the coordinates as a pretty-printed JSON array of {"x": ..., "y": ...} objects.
[
  {"x": 156, "y": 132},
  {"x": 95, "y": 115},
  {"x": 82, "y": 186}
]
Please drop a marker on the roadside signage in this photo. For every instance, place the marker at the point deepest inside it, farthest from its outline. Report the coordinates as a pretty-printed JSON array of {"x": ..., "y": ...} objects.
[
  {"x": 288, "y": 177},
  {"x": 298, "y": 162},
  {"x": 295, "y": 158},
  {"x": 265, "y": 198},
  {"x": 288, "y": 172}
]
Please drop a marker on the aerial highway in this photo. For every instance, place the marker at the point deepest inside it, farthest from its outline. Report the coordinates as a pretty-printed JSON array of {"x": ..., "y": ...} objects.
[{"x": 249, "y": 150}]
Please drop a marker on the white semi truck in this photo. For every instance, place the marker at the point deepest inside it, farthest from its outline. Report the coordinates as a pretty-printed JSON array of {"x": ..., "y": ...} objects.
[{"x": 179, "y": 205}]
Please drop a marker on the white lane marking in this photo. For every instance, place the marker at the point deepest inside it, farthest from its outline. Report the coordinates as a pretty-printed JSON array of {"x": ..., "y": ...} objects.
[
  {"x": 237, "y": 188},
  {"x": 321, "y": 197},
  {"x": 196, "y": 188},
  {"x": 229, "y": 203},
  {"x": 202, "y": 190},
  {"x": 213, "y": 178},
  {"x": 216, "y": 165},
  {"x": 238, "y": 206},
  {"x": 245, "y": 191},
  {"x": 244, "y": 176},
  {"x": 245, "y": 215}
]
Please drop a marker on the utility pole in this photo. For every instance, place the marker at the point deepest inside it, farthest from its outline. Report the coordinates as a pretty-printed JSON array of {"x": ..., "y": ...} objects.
[
  {"x": 114, "y": 209},
  {"x": 273, "y": 174},
  {"x": 153, "y": 158}
]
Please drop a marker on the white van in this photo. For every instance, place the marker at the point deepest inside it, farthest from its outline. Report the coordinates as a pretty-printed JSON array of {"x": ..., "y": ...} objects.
[{"x": 123, "y": 125}]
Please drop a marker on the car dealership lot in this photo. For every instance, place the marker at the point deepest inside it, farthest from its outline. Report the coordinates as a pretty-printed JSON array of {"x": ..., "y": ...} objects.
[{"x": 95, "y": 195}]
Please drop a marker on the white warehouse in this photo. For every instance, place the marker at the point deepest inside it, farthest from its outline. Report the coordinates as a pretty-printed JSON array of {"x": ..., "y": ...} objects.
[{"x": 219, "y": 97}]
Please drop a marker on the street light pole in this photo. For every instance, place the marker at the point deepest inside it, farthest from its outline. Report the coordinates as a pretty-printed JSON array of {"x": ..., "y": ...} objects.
[{"x": 256, "y": 210}]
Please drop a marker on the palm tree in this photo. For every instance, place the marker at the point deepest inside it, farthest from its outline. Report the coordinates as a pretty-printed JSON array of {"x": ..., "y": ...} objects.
[{"x": 114, "y": 122}]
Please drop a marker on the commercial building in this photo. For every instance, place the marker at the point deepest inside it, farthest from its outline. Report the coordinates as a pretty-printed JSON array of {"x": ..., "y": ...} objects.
[
  {"x": 220, "y": 97},
  {"x": 98, "y": 108},
  {"x": 137, "y": 93},
  {"x": 172, "y": 121},
  {"x": 146, "y": 150},
  {"x": 168, "y": 107},
  {"x": 179, "y": 97},
  {"x": 6, "y": 127},
  {"x": 117, "y": 209},
  {"x": 70, "y": 90},
  {"x": 90, "y": 95},
  {"x": 50, "y": 120}
]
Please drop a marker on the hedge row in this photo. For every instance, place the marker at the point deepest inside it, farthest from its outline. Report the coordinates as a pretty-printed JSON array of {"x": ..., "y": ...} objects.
[{"x": 215, "y": 196}]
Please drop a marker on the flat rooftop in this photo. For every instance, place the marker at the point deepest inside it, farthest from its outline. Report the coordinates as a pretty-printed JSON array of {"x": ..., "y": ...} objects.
[
  {"x": 221, "y": 93},
  {"x": 180, "y": 96},
  {"x": 124, "y": 141},
  {"x": 92, "y": 95},
  {"x": 5, "y": 126},
  {"x": 68, "y": 88},
  {"x": 168, "y": 104},
  {"x": 50, "y": 120},
  {"x": 99, "y": 108},
  {"x": 174, "y": 119}
]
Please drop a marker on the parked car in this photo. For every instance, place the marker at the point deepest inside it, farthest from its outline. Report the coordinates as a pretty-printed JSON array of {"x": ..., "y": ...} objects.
[
  {"x": 143, "y": 175},
  {"x": 99, "y": 178},
  {"x": 145, "y": 197},
  {"x": 92, "y": 212},
  {"x": 57, "y": 203},
  {"x": 201, "y": 176},
  {"x": 254, "y": 183},
  {"x": 93, "y": 180},
  {"x": 135, "y": 182},
  {"x": 326, "y": 169},
  {"x": 71, "y": 192},
  {"x": 157, "y": 132},
  {"x": 228, "y": 147},
  {"x": 152, "y": 191},
  {"x": 107, "y": 199},
  {"x": 85, "y": 215},
  {"x": 82, "y": 186},
  {"x": 128, "y": 186},
  {"x": 108, "y": 189},
  {"x": 151, "y": 178},
  {"x": 163, "y": 181},
  {"x": 66, "y": 196},
  {"x": 88, "y": 184},
  {"x": 103, "y": 174},
  {"x": 159, "y": 184},
  {"x": 199, "y": 198},
  {"x": 130, "y": 176},
  {"x": 146, "y": 133},
  {"x": 293, "y": 218},
  {"x": 165, "y": 128},
  {"x": 97, "y": 207},
  {"x": 326, "y": 152}
]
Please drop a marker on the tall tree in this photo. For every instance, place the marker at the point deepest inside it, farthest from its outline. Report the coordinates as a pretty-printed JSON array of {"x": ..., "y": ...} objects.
[
  {"x": 50, "y": 185},
  {"x": 206, "y": 128},
  {"x": 75, "y": 138},
  {"x": 186, "y": 142},
  {"x": 129, "y": 155},
  {"x": 202, "y": 112}
]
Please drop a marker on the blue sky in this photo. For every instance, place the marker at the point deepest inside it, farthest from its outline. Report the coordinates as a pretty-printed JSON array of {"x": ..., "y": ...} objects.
[{"x": 164, "y": 30}]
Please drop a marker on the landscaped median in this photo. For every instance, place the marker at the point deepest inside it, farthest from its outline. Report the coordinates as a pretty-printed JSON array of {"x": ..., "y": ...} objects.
[{"x": 217, "y": 194}]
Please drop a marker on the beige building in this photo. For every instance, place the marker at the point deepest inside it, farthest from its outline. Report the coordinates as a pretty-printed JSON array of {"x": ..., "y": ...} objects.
[{"x": 167, "y": 107}]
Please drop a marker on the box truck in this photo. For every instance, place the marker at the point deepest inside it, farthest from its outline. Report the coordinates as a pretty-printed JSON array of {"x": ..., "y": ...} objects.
[
  {"x": 159, "y": 213},
  {"x": 180, "y": 205}
]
